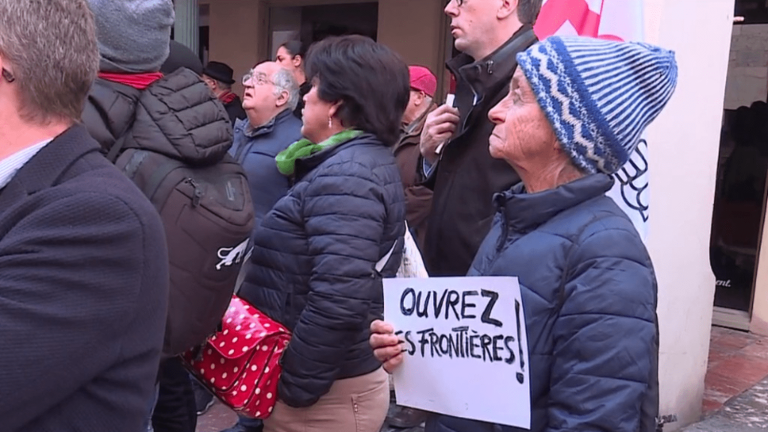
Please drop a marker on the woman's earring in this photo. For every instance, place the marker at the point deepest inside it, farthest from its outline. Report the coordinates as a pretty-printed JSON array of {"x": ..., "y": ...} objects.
[{"x": 330, "y": 122}]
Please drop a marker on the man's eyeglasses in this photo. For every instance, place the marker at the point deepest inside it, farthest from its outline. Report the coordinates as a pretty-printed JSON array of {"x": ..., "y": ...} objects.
[
  {"x": 8, "y": 76},
  {"x": 258, "y": 79},
  {"x": 459, "y": 3}
]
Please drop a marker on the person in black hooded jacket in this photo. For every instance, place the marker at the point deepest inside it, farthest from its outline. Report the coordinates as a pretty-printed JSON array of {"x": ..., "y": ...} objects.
[
  {"x": 319, "y": 256},
  {"x": 180, "y": 56},
  {"x": 133, "y": 38}
]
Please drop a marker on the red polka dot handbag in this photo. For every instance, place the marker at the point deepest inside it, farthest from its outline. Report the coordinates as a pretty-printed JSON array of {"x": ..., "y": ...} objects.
[{"x": 240, "y": 363}]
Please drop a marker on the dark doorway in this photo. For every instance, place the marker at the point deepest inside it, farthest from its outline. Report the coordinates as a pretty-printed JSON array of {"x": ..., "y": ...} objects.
[
  {"x": 740, "y": 194},
  {"x": 319, "y": 22},
  {"x": 314, "y": 23}
]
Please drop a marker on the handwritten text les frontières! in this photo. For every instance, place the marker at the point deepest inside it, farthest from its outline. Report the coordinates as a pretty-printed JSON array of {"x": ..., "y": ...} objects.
[{"x": 463, "y": 341}]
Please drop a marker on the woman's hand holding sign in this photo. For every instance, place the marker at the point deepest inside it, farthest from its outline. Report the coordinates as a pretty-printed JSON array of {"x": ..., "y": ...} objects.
[{"x": 387, "y": 347}]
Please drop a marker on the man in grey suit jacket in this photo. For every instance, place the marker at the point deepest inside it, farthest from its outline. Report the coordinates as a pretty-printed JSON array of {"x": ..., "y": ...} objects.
[{"x": 83, "y": 260}]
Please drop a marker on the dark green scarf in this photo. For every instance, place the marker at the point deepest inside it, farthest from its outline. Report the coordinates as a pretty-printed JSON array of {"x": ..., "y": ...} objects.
[{"x": 286, "y": 159}]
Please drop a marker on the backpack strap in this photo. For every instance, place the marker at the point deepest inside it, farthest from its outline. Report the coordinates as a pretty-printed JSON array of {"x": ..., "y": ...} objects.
[
  {"x": 117, "y": 147},
  {"x": 114, "y": 151}
]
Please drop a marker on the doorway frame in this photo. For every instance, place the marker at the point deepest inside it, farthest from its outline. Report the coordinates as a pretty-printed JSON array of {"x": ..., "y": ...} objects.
[
  {"x": 757, "y": 319},
  {"x": 266, "y": 35},
  {"x": 445, "y": 40}
]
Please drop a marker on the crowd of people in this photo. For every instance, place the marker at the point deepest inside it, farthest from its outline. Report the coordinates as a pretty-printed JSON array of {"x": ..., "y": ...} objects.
[{"x": 342, "y": 147}]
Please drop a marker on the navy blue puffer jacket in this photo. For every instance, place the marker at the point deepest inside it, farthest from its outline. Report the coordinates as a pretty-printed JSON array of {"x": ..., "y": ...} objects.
[
  {"x": 255, "y": 149},
  {"x": 589, "y": 295},
  {"x": 313, "y": 263}
]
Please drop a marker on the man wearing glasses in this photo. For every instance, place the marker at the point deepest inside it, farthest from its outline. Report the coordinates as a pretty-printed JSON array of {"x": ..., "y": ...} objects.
[{"x": 270, "y": 96}]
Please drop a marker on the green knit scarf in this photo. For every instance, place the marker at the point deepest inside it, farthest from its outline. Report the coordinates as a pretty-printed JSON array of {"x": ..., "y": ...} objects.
[{"x": 286, "y": 159}]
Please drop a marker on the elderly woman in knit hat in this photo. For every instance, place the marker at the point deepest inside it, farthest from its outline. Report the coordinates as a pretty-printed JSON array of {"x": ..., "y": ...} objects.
[{"x": 574, "y": 113}]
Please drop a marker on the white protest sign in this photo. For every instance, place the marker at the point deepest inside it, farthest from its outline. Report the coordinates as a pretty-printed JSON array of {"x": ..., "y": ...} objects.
[{"x": 466, "y": 351}]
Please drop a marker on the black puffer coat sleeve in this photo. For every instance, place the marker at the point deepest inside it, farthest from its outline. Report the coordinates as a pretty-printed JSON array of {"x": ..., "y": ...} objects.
[{"x": 344, "y": 214}]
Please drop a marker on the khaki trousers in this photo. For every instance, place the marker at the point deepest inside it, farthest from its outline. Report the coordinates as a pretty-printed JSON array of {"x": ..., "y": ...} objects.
[{"x": 357, "y": 404}]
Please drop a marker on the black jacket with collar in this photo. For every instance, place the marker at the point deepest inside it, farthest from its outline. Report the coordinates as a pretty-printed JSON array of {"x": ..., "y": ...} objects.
[
  {"x": 83, "y": 293},
  {"x": 467, "y": 177}
]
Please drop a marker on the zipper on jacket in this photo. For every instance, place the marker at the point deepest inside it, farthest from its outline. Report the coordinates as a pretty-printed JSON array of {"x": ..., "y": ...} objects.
[
  {"x": 501, "y": 241},
  {"x": 504, "y": 231},
  {"x": 489, "y": 67},
  {"x": 198, "y": 194}
]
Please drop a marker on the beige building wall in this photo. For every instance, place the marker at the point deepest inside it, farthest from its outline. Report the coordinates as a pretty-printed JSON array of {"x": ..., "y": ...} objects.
[
  {"x": 684, "y": 145},
  {"x": 239, "y": 29},
  {"x": 413, "y": 29},
  {"x": 237, "y": 34}
]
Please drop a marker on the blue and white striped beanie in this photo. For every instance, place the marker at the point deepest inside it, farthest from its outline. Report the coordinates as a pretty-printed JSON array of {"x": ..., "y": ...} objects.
[{"x": 599, "y": 95}]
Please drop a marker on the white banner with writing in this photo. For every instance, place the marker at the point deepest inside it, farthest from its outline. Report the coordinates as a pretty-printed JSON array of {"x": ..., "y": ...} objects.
[{"x": 466, "y": 351}]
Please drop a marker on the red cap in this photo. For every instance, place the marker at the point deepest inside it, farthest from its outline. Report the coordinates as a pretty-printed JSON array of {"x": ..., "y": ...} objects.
[{"x": 423, "y": 80}]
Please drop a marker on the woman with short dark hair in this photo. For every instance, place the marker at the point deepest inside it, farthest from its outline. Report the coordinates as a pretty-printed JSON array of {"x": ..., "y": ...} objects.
[
  {"x": 361, "y": 84},
  {"x": 290, "y": 55},
  {"x": 320, "y": 254}
]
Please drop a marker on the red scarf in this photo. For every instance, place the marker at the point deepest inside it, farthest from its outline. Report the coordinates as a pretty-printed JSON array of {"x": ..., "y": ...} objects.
[
  {"x": 138, "y": 81},
  {"x": 227, "y": 97}
]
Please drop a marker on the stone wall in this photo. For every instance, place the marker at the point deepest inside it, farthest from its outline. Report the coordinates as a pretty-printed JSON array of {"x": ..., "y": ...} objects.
[{"x": 748, "y": 66}]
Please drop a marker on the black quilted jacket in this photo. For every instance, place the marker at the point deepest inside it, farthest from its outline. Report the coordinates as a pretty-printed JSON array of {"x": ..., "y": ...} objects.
[
  {"x": 312, "y": 266},
  {"x": 195, "y": 127}
]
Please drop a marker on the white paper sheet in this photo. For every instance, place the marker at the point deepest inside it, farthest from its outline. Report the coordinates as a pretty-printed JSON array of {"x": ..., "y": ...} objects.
[{"x": 466, "y": 347}]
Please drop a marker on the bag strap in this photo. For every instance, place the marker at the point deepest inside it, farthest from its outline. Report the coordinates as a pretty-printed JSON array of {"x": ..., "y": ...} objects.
[
  {"x": 117, "y": 147},
  {"x": 383, "y": 262},
  {"x": 114, "y": 151},
  {"x": 385, "y": 259}
]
